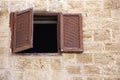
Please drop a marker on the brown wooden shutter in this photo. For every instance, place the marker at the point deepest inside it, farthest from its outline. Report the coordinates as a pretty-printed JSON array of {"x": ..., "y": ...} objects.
[
  {"x": 22, "y": 30},
  {"x": 71, "y": 33}
]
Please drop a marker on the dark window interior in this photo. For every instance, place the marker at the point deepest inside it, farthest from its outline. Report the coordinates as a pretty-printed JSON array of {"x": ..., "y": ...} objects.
[{"x": 44, "y": 35}]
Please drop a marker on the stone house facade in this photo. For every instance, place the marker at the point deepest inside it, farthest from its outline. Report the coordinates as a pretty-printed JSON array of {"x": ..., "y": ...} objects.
[{"x": 101, "y": 35}]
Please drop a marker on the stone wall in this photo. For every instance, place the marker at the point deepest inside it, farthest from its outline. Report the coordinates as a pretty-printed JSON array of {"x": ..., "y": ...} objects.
[{"x": 100, "y": 59}]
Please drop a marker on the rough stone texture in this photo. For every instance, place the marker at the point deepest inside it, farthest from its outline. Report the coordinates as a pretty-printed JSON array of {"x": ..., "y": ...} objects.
[
  {"x": 110, "y": 70},
  {"x": 112, "y": 78},
  {"x": 94, "y": 78},
  {"x": 112, "y": 47},
  {"x": 101, "y": 36},
  {"x": 4, "y": 62},
  {"x": 104, "y": 59},
  {"x": 112, "y": 4},
  {"x": 56, "y": 64},
  {"x": 20, "y": 63},
  {"x": 4, "y": 75},
  {"x": 90, "y": 47},
  {"x": 85, "y": 58},
  {"x": 118, "y": 60},
  {"x": 92, "y": 69},
  {"x": 77, "y": 78}
]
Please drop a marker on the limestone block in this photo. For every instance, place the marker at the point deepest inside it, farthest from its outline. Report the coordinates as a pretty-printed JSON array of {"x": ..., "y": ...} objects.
[
  {"x": 73, "y": 69},
  {"x": 116, "y": 35},
  {"x": 3, "y": 5},
  {"x": 115, "y": 13},
  {"x": 88, "y": 35},
  {"x": 112, "y": 4},
  {"x": 93, "y": 4},
  {"x": 92, "y": 69},
  {"x": 4, "y": 51},
  {"x": 95, "y": 78},
  {"x": 68, "y": 58},
  {"x": 112, "y": 78},
  {"x": 90, "y": 47},
  {"x": 59, "y": 75},
  {"x": 36, "y": 75},
  {"x": 77, "y": 78},
  {"x": 118, "y": 60},
  {"x": 102, "y": 35},
  {"x": 104, "y": 59},
  {"x": 110, "y": 70},
  {"x": 17, "y": 75},
  {"x": 55, "y": 6},
  {"x": 112, "y": 47},
  {"x": 56, "y": 64},
  {"x": 4, "y": 62},
  {"x": 40, "y": 5},
  {"x": 85, "y": 58},
  {"x": 5, "y": 75},
  {"x": 105, "y": 13},
  {"x": 41, "y": 63},
  {"x": 75, "y": 6},
  {"x": 17, "y": 6},
  {"x": 20, "y": 63}
]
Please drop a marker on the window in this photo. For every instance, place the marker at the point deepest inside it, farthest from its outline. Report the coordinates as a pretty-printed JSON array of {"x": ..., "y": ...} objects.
[{"x": 43, "y": 32}]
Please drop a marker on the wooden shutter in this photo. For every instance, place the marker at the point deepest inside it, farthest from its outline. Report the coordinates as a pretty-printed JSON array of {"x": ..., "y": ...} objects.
[
  {"x": 71, "y": 33},
  {"x": 22, "y": 30}
]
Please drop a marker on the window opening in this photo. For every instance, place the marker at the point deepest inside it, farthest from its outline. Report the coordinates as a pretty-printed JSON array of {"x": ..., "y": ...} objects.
[{"x": 45, "y": 38}]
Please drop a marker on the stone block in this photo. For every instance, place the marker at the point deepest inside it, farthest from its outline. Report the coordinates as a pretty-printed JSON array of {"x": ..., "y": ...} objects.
[
  {"x": 40, "y": 63},
  {"x": 41, "y": 5},
  {"x": 115, "y": 35},
  {"x": 75, "y": 6},
  {"x": 90, "y": 47},
  {"x": 3, "y": 6},
  {"x": 111, "y": 78},
  {"x": 115, "y": 13},
  {"x": 4, "y": 62},
  {"x": 59, "y": 75},
  {"x": 73, "y": 69},
  {"x": 68, "y": 58},
  {"x": 93, "y": 4},
  {"x": 85, "y": 58},
  {"x": 112, "y": 47},
  {"x": 102, "y": 35},
  {"x": 112, "y": 4},
  {"x": 118, "y": 60},
  {"x": 36, "y": 75},
  {"x": 110, "y": 70},
  {"x": 92, "y": 70},
  {"x": 77, "y": 78},
  {"x": 20, "y": 63},
  {"x": 4, "y": 51},
  {"x": 104, "y": 59},
  {"x": 17, "y": 75},
  {"x": 56, "y": 64},
  {"x": 88, "y": 35},
  {"x": 17, "y": 6},
  {"x": 5, "y": 75},
  {"x": 94, "y": 78},
  {"x": 55, "y": 6}
]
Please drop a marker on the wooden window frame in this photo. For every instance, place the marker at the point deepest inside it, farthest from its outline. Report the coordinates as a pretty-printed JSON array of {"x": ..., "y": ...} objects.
[{"x": 59, "y": 32}]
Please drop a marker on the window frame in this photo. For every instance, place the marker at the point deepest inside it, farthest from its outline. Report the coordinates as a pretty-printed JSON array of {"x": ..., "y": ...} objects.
[{"x": 59, "y": 31}]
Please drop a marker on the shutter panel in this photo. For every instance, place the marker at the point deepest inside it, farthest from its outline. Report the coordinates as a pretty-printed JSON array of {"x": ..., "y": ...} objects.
[
  {"x": 22, "y": 35},
  {"x": 71, "y": 33}
]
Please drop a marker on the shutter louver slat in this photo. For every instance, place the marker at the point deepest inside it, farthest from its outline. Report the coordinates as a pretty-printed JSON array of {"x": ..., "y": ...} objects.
[
  {"x": 23, "y": 30},
  {"x": 71, "y": 34}
]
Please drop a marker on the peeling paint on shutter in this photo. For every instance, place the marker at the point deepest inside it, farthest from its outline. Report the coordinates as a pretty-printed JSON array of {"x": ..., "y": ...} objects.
[
  {"x": 22, "y": 31},
  {"x": 71, "y": 33}
]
